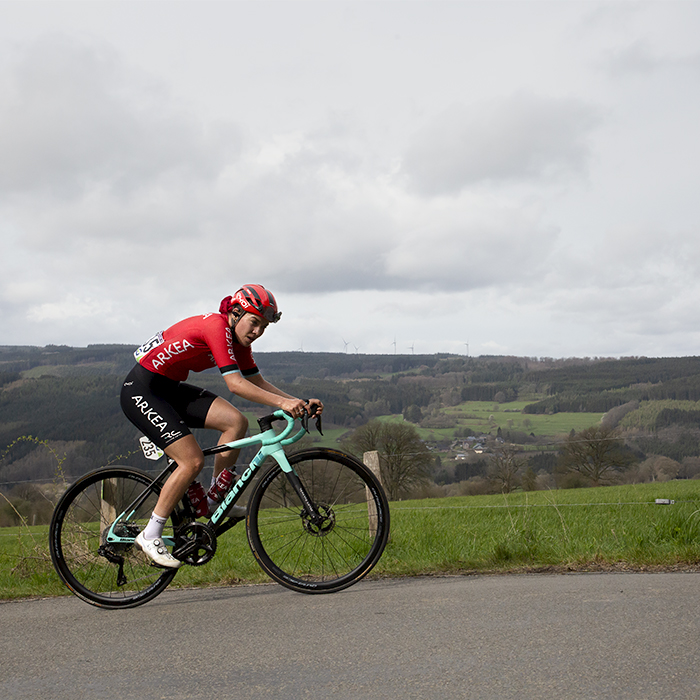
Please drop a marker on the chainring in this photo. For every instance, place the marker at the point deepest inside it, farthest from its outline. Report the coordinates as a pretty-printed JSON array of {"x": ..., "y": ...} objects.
[{"x": 195, "y": 543}]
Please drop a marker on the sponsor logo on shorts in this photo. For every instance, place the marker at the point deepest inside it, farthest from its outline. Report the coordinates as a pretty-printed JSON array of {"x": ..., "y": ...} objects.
[{"x": 153, "y": 417}]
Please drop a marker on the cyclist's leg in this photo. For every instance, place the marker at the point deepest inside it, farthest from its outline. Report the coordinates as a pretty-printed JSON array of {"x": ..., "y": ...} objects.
[
  {"x": 186, "y": 452},
  {"x": 190, "y": 460},
  {"x": 164, "y": 410},
  {"x": 233, "y": 425}
]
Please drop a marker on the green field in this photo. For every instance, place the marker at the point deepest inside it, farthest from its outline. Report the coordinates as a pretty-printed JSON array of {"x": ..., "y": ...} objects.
[
  {"x": 618, "y": 527},
  {"x": 508, "y": 416},
  {"x": 488, "y": 417}
]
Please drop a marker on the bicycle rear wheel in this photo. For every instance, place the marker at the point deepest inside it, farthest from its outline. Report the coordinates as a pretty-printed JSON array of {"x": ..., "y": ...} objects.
[
  {"x": 319, "y": 557},
  {"x": 108, "y": 575}
]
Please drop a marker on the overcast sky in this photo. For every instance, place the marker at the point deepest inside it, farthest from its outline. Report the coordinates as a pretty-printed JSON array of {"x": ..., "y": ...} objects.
[{"x": 498, "y": 177}]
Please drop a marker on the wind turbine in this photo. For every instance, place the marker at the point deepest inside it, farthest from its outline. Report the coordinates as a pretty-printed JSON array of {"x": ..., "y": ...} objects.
[
  {"x": 345, "y": 344},
  {"x": 394, "y": 344},
  {"x": 411, "y": 347}
]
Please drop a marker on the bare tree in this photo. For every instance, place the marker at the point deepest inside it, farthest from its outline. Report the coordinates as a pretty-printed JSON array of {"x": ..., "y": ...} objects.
[
  {"x": 404, "y": 459},
  {"x": 504, "y": 468},
  {"x": 597, "y": 453}
]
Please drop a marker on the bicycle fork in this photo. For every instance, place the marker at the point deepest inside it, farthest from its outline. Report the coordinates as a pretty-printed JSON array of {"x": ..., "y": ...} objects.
[{"x": 280, "y": 457}]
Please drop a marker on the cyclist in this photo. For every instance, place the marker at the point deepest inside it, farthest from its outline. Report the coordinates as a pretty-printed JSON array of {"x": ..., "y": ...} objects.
[{"x": 156, "y": 399}]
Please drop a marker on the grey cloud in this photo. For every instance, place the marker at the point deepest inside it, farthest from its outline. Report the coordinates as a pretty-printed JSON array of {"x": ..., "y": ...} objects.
[
  {"x": 143, "y": 187},
  {"x": 329, "y": 232},
  {"x": 77, "y": 118},
  {"x": 520, "y": 138},
  {"x": 489, "y": 245},
  {"x": 636, "y": 58},
  {"x": 640, "y": 59}
]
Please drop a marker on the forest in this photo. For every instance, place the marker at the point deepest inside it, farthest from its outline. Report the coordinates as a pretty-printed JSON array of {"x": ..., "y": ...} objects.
[{"x": 59, "y": 405}]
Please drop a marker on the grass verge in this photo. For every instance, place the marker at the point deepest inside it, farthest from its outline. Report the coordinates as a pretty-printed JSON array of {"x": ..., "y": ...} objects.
[{"x": 617, "y": 528}]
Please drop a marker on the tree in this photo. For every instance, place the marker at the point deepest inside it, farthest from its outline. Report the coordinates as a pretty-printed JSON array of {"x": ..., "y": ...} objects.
[
  {"x": 658, "y": 468},
  {"x": 504, "y": 466},
  {"x": 404, "y": 460},
  {"x": 529, "y": 479},
  {"x": 413, "y": 414},
  {"x": 596, "y": 453}
]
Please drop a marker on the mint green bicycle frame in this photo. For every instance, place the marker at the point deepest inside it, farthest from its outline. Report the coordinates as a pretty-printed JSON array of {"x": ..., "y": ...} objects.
[{"x": 271, "y": 445}]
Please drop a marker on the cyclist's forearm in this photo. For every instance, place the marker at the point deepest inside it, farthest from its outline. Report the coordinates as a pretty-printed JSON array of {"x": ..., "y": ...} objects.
[
  {"x": 259, "y": 381},
  {"x": 318, "y": 405},
  {"x": 256, "y": 389}
]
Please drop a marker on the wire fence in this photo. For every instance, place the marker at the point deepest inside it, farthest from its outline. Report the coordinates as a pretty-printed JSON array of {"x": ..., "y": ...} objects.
[
  {"x": 534, "y": 448},
  {"x": 504, "y": 506},
  {"x": 508, "y": 506}
]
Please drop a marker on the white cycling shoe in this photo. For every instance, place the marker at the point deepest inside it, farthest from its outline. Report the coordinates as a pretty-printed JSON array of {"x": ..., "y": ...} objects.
[{"x": 157, "y": 552}]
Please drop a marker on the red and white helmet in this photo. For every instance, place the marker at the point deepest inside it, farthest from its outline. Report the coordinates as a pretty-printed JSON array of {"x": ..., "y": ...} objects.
[{"x": 253, "y": 299}]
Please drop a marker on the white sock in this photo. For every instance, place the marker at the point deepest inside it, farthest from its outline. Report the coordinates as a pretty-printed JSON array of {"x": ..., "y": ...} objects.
[{"x": 155, "y": 527}]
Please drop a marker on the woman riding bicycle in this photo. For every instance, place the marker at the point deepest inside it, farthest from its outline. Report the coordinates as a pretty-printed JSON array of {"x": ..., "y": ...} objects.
[{"x": 156, "y": 399}]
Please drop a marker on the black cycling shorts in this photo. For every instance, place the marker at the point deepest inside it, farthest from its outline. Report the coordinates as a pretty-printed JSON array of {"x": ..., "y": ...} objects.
[{"x": 162, "y": 408}]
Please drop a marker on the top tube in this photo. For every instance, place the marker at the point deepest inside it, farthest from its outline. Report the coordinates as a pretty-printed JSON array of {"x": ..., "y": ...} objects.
[{"x": 266, "y": 437}]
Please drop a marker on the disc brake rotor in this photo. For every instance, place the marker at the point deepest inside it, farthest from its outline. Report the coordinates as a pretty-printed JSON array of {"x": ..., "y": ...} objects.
[{"x": 324, "y": 526}]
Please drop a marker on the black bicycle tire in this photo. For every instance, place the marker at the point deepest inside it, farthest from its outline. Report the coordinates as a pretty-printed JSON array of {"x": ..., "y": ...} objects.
[
  {"x": 69, "y": 570},
  {"x": 307, "y": 581}
]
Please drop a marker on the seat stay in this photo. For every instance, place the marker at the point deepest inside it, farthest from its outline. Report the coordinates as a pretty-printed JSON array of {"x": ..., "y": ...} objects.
[{"x": 110, "y": 536}]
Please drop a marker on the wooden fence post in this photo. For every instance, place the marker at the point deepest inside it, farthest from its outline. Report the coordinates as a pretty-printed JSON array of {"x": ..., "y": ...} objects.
[
  {"x": 371, "y": 460},
  {"x": 108, "y": 505}
]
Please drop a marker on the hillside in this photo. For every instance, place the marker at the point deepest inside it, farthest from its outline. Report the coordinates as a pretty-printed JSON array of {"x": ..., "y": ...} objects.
[{"x": 68, "y": 397}]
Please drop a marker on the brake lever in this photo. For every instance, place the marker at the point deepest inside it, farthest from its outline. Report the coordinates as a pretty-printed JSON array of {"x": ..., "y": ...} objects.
[{"x": 307, "y": 415}]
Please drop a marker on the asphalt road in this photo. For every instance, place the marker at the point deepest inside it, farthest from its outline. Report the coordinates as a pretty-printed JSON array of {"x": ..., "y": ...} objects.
[{"x": 611, "y": 636}]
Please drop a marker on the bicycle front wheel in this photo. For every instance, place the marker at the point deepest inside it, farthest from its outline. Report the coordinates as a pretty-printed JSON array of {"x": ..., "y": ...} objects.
[
  {"x": 321, "y": 556},
  {"x": 108, "y": 575}
]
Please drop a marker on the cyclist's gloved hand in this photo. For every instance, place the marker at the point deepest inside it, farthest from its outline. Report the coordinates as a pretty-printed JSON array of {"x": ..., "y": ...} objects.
[{"x": 314, "y": 407}]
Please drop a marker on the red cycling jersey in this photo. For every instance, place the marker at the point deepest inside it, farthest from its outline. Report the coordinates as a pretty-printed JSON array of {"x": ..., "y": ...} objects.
[{"x": 193, "y": 345}]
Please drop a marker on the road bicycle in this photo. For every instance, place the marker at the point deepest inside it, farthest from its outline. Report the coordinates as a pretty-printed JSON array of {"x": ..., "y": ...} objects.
[{"x": 317, "y": 521}]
